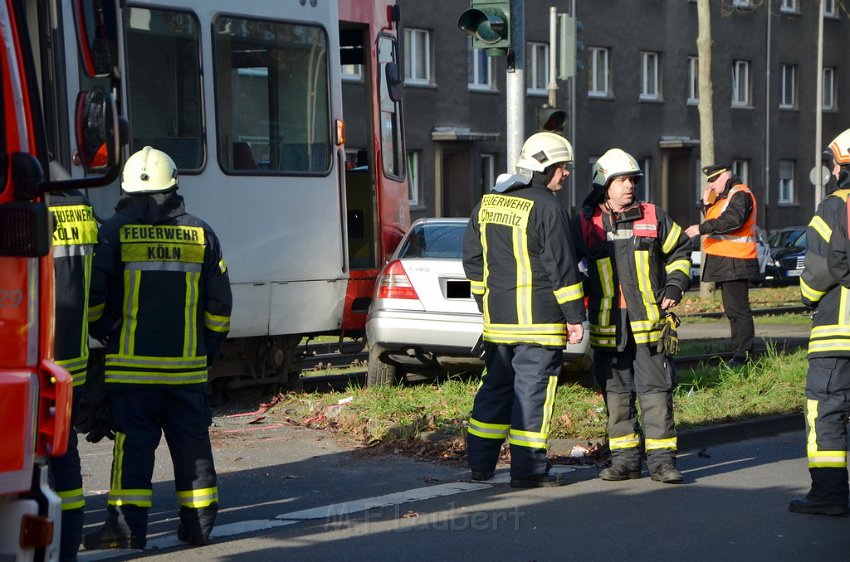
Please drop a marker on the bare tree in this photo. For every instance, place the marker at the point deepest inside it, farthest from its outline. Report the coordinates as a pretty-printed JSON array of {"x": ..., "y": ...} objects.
[{"x": 706, "y": 109}]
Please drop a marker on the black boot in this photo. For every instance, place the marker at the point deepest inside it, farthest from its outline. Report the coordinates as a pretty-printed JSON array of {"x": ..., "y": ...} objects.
[
  {"x": 125, "y": 527},
  {"x": 815, "y": 507},
  {"x": 667, "y": 473},
  {"x": 619, "y": 471},
  {"x": 196, "y": 524}
]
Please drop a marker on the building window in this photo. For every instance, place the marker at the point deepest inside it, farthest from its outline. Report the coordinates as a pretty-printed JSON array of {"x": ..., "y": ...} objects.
[
  {"x": 788, "y": 94},
  {"x": 643, "y": 187},
  {"x": 790, "y": 6},
  {"x": 538, "y": 68},
  {"x": 786, "y": 182},
  {"x": 829, "y": 96},
  {"x": 829, "y": 9},
  {"x": 352, "y": 72},
  {"x": 693, "y": 80},
  {"x": 417, "y": 56},
  {"x": 413, "y": 194},
  {"x": 598, "y": 86},
  {"x": 488, "y": 172},
  {"x": 740, "y": 83},
  {"x": 650, "y": 76},
  {"x": 480, "y": 69},
  {"x": 741, "y": 168}
]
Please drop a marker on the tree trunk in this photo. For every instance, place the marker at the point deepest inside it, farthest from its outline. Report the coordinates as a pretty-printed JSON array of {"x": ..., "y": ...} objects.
[{"x": 706, "y": 111}]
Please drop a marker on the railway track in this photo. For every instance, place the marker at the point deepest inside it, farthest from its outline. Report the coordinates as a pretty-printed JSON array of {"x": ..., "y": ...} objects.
[{"x": 357, "y": 375}]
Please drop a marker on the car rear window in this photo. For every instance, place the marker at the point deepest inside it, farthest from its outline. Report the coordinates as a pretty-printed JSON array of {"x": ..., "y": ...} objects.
[{"x": 426, "y": 240}]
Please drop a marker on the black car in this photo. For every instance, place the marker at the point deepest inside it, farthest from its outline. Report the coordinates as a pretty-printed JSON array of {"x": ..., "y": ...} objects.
[{"x": 787, "y": 255}]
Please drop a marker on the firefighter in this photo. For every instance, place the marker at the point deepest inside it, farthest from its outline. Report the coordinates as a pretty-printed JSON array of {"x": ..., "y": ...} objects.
[
  {"x": 638, "y": 268},
  {"x": 161, "y": 298},
  {"x": 518, "y": 255},
  {"x": 74, "y": 237},
  {"x": 730, "y": 251},
  {"x": 824, "y": 287}
]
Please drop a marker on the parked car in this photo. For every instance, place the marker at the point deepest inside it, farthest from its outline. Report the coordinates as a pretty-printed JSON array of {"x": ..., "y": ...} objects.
[
  {"x": 787, "y": 255},
  {"x": 423, "y": 319},
  {"x": 762, "y": 252}
]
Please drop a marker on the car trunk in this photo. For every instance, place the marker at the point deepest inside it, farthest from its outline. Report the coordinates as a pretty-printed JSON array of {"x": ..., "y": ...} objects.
[{"x": 441, "y": 285}]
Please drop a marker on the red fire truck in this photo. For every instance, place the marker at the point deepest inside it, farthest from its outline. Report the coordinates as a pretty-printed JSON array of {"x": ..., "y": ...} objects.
[{"x": 35, "y": 393}]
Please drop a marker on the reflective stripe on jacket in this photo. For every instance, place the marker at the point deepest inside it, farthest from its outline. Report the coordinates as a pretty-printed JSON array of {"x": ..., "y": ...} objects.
[
  {"x": 629, "y": 268},
  {"x": 74, "y": 237},
  {"x": 739, "y": 243},
  {"x": 820, "y": 288}
]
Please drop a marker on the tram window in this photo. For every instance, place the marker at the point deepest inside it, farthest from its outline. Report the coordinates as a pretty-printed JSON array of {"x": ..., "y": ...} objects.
[
  {"x": 391, "y": 132},
  {"x": 164, "y": 83},
  {"x": 272, "y": 97}
]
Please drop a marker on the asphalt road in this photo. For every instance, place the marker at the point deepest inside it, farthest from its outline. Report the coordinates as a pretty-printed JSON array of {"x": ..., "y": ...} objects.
[{"x": 290, "y": 493}]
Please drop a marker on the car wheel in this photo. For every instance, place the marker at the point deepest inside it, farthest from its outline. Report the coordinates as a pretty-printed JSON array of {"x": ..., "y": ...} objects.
[{"x": 380, "y": 373}]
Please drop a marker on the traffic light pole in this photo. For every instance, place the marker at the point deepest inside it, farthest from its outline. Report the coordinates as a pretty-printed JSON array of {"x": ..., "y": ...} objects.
[{"x": 515, "y": 85}]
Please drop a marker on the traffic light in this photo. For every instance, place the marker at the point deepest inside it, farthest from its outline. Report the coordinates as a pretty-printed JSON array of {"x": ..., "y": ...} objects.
[
  {"x": 550, "y": 119},
  {"x": 570, "y": 45},
  {"x": 489, "y": 25}
]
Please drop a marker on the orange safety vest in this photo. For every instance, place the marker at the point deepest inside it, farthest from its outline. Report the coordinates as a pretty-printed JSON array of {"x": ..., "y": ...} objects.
[{"x": 739, "y": 243}]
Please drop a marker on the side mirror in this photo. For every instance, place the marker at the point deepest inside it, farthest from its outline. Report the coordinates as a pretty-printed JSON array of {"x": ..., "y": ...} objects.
[
  {"x": 393, "y": 81},
  {"x": 100, "y": 134},
  {"x": 96, "y": 22}
]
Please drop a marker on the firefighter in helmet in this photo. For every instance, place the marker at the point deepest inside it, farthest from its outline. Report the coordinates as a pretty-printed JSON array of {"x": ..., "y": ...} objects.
[
  {"x": 825, "y": 287},
  {"x": 519, "y": 257},
  {"x": 161, "y": 298},
  {"x": 74, "y": 237},
  {"x": 638, "y": 268}
]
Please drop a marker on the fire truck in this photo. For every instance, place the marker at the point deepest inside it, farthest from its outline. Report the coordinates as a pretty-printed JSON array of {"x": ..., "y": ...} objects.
[{"x": 35, "y": 393}]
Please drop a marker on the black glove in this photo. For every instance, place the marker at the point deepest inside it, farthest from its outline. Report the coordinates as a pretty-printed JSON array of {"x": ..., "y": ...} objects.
[
  {"x": 94, "y": 415},
  {"x": 479, "y": 350}
]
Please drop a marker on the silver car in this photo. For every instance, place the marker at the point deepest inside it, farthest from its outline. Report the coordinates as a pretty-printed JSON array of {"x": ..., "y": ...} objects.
[{"x": 423, "y": 319}]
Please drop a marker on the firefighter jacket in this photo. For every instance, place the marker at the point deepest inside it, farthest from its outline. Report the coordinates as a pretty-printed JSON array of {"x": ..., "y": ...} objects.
[
  {"x": 820, "y": 282},
  {"x": 634, "y": 259},
  {"x": 74, "y": 237},
  {"x": 730, "y": 229},
  {"x": 160, "y": 293},
  {"x": 518, "y": 255}
]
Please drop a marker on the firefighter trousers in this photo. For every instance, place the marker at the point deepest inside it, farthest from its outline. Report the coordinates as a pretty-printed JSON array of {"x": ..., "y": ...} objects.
[
  {"x": 827, "y": 408},
  {"x": 66, "y": 474},
  {"x": 736, "y": 306},
  {"x": 638, "y": 373},
  {"x": 142, "y": 415},
  {"x": 514, "y": 401}
]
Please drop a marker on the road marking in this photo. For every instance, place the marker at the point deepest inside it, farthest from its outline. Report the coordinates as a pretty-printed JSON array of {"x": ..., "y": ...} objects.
[{"x": 328, "y": 511}]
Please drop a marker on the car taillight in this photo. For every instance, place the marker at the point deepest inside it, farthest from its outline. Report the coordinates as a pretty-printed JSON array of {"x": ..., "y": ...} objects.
[{"x": 395, "y": 284}]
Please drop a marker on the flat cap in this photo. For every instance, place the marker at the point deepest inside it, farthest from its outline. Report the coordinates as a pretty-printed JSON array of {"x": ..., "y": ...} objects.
[{"x": 715, "y": 170}]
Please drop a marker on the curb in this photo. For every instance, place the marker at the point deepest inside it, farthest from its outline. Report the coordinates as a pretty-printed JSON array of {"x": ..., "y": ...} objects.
[{"x": 701, "y": 437}]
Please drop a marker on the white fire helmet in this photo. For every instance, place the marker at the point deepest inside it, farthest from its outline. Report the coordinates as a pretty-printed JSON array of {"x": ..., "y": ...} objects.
[
  {"x": 541, "y": 150},
  {"x": 149, "y": 171},
  {"x": 614, "y": 164},
  {"x": 840, "y": 148}
]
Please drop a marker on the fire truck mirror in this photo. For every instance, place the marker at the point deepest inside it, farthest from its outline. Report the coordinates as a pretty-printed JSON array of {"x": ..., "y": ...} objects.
[
  {"x": 97, "y": 142},
  {"x": 97, "y": 35}
]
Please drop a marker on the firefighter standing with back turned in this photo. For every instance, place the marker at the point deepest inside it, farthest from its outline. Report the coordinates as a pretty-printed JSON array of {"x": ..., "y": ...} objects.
[
  {"x": 825, "y": 286},
  {"x": 731, "y": 258},
  {"x": 638, "y": 267},
  {"x": 161, "y": 296},
  {"x": 519, "y": 257},
  {"x": 74, "y": 237}
]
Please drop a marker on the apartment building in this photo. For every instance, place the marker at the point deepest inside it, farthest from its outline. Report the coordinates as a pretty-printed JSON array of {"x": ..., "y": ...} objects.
[{"x": 637, "y": 90}]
